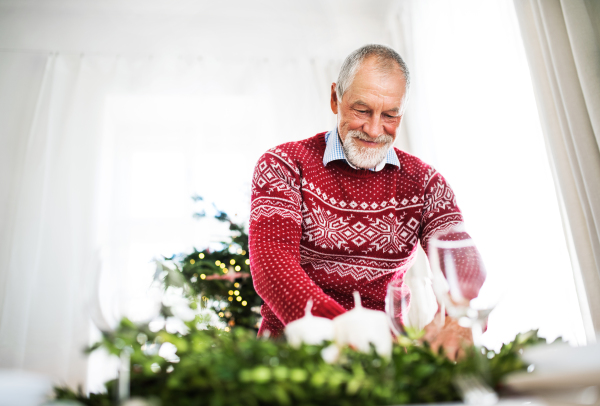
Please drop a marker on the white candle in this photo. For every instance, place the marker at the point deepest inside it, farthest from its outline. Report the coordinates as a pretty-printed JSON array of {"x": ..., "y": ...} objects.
[
  {"x": 361, "y": 327},
  {"x": 309, "y": 329}
]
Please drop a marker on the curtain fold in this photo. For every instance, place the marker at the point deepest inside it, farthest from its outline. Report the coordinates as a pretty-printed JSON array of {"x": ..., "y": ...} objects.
[
  {"x": 564, "y": 58},
  {"x": 62, "y": 199},
  {"x": 44, "y": 325}
]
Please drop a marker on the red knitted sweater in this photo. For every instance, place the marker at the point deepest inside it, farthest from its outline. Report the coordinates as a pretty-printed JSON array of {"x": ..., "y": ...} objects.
[{"x": 324, "y": 232}]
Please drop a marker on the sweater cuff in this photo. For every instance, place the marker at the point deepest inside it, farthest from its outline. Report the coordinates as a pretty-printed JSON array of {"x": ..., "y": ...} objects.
[{"x": 329, "y": 310}]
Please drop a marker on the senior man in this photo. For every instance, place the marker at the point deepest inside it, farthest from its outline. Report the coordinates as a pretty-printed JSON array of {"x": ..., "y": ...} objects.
[{"x": 343, "y": 211}]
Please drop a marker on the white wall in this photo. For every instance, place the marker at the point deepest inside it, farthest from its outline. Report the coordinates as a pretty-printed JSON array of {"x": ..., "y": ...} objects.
[{"x": 266, "y": 28}]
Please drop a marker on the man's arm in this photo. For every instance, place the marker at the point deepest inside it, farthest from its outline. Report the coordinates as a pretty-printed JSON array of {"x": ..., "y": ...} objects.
[
  {"x": 441, "y": 213},
  {"x": 274, "y": 241}
]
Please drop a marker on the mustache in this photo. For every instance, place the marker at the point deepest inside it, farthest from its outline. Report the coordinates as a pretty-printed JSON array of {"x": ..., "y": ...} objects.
[{"x": 381, "y": 139}]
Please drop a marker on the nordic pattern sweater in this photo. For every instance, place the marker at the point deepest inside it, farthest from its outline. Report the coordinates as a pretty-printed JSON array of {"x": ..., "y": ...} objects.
[{"x": 322, "y": 233}]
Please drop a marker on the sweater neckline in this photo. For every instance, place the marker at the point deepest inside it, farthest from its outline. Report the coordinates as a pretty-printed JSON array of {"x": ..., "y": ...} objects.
[{"x": 343, "y": 167}]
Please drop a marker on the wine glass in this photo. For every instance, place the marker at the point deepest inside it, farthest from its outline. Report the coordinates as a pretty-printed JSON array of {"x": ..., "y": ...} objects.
[
  {"x": 107, "y": 307},
  {"x": 458, "y": 278},
  {"x": 411, "y": 305},
  {"x": 397, "y": 304},
  {"x": 460, "y": 284}
]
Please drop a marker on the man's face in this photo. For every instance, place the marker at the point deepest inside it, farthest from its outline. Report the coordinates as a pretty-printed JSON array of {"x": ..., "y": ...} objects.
[{"x": 370, "y": 113}]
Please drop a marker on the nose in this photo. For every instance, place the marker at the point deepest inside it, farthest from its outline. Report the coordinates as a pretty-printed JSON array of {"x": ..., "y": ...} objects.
[{"x": 374, "y": 126}]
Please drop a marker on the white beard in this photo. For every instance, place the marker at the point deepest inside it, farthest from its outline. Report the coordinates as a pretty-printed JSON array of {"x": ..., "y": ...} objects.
[{"x": 365, "y": 157}]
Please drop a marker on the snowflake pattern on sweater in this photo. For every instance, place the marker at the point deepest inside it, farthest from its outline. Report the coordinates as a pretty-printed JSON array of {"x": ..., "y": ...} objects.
[{"x": 322, "y": 232}]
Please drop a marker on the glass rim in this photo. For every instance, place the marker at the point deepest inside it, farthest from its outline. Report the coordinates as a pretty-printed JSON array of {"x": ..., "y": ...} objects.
[{"x": 452, "y": 244}]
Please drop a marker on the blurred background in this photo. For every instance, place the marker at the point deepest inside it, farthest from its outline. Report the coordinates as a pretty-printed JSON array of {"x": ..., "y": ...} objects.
[{"x": 114, "y": 113}]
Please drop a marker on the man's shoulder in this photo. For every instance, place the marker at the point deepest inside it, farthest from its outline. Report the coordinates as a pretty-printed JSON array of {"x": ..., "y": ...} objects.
[
  {"x": 414, "y": 168},
  {"x": 298, "y": 152}
]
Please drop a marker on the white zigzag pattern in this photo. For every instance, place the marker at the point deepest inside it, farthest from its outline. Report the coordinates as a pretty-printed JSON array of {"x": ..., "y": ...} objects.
[
  {"x": 437, "y": 226},
  {"x": 269, "y": 211},
  {"x": 357, "y": 272}
]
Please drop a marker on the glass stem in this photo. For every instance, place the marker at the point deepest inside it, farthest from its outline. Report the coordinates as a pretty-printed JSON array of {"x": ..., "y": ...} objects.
[
  {"x": 124, "y": 375},
  {"x": 481, "y": 361},
  {"x": 477, "y": 331}
]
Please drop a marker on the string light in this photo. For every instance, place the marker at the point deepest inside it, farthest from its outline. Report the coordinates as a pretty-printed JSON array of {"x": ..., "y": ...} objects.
[
  {"x": 239, "y": 251},
  {"x": 202, "y": 276},
  {"x": 217, "y": 262},
  {"x": 231, "y": 292},
  {"x": 230, "y": 299},
  {"x": 201, "y": 255},
  {"x": 243, "y": 252},
  {"x": 222, "y": 265},
  {"x": 221, "y": 314},
  {"x": 239, "y": 298},
  {"x": 227, "y": 329},
  {"x": 244, "y": 303},
  {"x": 247, "y": 262},
  {"x": 237, "y": 285},
  {"x": 238, "y": 268},
  {"x": 237, "y": 293},
  {"x": 192, "y": 261},
  {"x": 225, "y": 270},
  {"x": 232, "y": 262}
]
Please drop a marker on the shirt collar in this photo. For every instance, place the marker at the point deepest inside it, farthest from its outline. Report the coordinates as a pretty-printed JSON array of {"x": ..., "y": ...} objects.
[{"x": 334, "y": 152}]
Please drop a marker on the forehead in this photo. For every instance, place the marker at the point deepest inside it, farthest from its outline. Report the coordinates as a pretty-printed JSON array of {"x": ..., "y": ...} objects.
[{"x": 373, "y": 84}]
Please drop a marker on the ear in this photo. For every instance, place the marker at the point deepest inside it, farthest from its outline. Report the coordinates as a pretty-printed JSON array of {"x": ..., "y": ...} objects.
[{"x": 334, "y": 99}]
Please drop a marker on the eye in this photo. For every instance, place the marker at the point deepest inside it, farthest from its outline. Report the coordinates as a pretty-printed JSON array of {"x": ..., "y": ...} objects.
[{"x": 361, "y": 111}]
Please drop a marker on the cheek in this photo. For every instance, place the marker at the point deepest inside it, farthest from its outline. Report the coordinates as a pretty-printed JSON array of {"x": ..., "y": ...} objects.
[
  {"x": 391, "y": 127},
  {"x": 349, "y": 123},
  {"x": 354, "y": 122}
]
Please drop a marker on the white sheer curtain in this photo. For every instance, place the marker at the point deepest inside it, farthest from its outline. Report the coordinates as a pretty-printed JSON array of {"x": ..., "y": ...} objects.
[
  {"x": 49, "y": 231},
  {"x": 562, "y": 40},
  {"x": 472, "y": 114},
  {"x": 86, "y": 135}
]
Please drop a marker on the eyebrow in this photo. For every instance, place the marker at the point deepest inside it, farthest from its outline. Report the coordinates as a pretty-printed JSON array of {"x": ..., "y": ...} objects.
[{"x": 362, "y": 103}]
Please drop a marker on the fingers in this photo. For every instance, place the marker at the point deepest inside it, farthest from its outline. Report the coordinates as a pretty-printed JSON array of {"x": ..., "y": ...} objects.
[
  {"x": 452, "y": 347},
  {"x": 452, "y": 337}
]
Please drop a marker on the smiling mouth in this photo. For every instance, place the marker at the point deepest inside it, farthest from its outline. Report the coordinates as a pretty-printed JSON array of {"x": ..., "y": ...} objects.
[{"x": 370, "y": 143}]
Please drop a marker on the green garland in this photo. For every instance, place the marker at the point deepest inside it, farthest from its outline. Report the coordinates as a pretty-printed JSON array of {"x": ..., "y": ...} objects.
[
  {"x": 238, "y": 369},
  {"x": 232, "y": 367}
]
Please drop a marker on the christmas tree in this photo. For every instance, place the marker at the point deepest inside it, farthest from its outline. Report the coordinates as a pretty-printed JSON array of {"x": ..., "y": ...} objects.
[{"x": 219, "y": 279}]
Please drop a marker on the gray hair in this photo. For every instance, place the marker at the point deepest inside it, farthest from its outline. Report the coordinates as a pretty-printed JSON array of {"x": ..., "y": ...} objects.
[{"x": 386, "y": 58}]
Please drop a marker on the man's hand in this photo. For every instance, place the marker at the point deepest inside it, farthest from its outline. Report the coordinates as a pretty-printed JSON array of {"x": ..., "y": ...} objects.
[{"x": 451, "y": 336}]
